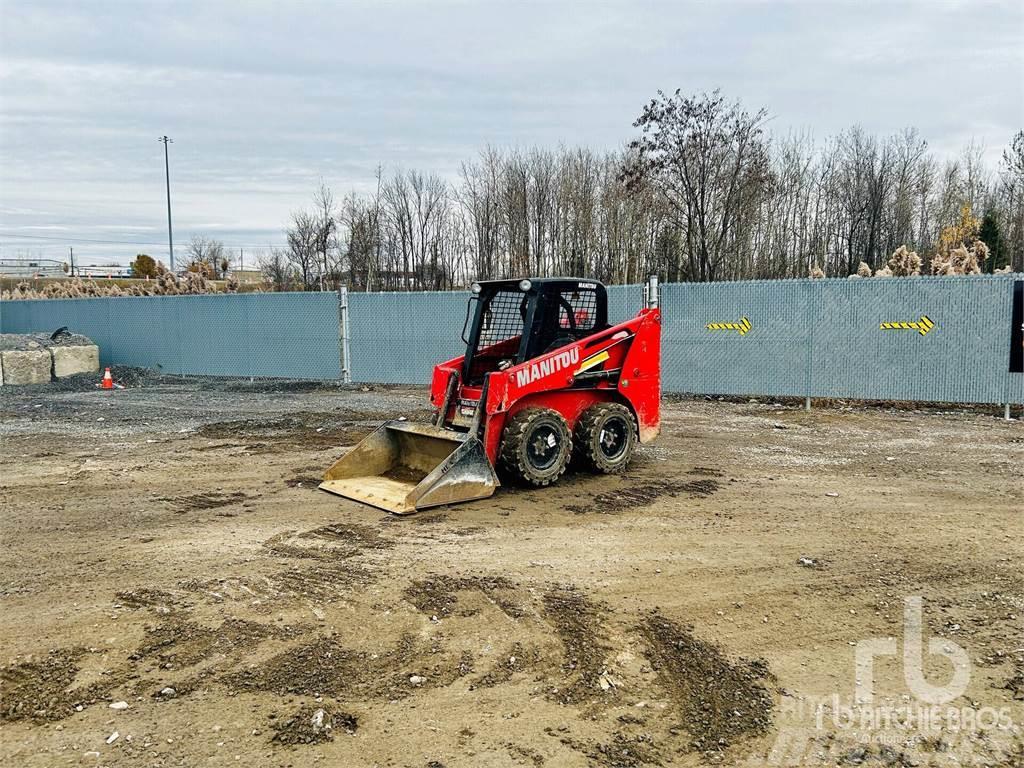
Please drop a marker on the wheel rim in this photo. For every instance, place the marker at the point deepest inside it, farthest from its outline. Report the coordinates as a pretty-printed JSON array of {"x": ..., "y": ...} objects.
[
  {"x": 613, "y": 438},
  {"x": 543, "y": 447}
]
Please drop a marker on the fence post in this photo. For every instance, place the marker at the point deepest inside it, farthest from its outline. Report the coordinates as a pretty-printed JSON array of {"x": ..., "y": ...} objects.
[
  {"x": 1007, "y": 416},
  {"x": 809, "y": 315},
  {"x": 343, "y": 334},
  {"x": 651, "y": 299}
]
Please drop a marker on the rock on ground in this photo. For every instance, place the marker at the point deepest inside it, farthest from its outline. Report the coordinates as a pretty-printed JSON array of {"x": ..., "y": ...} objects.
[
  {"x": 67, "y": 361},
  {"x": 36, "y": 358},
  {"x": 30, "y": 366}
]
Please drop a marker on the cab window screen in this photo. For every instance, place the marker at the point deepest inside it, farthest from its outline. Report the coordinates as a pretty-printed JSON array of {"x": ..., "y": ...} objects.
[
  {"x": 502, "y": 318},
  {"x": 583, "y": 304}
]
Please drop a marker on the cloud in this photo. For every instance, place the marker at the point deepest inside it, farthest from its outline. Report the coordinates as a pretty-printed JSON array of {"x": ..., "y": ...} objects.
[{"x": 263, "y": 98}]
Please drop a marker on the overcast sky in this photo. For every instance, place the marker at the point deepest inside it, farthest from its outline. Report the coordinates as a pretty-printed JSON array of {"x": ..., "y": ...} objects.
[{"x": 264, "y": 99}]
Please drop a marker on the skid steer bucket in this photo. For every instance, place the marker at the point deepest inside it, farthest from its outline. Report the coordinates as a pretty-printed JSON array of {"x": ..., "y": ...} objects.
[{"x": 403, "y": 467}]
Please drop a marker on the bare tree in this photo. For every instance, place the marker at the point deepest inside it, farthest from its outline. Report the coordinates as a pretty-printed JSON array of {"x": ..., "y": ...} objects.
[
  {"x": 324, "y": 222},
  {"x": 207, "y": 254},
  {"x": 1011, "y": 198},
  {"x": 707, "y": 157},
  {"x": 276, "y": 269},
  {"x": 478, "y": 198},
  {"x": 358, "y": 228},
  {"x": 303, "y": 252},
  {"x": 702, "y": 194}
]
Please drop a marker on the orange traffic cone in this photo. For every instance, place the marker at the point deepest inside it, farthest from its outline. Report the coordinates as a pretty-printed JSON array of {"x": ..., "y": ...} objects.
[{"x": 108, "y": 380}]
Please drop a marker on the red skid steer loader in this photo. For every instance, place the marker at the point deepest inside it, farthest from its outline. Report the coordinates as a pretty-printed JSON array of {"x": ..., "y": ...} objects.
[{"x": 544, "y": 379}]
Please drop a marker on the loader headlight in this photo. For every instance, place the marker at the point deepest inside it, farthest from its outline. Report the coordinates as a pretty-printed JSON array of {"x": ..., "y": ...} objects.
[
  {"x": 525, "y": 285},
  {"x": 476, "y": 287}
]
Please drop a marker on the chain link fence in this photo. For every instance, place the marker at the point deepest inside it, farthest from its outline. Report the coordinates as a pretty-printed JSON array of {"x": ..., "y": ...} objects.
[
  {"x": 290, "y": 335},
  {"x": 860, "y": 339},
  {"x": 939, "y": 339}
]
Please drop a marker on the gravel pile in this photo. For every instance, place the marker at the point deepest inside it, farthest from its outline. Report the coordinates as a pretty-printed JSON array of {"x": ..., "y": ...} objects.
[
  {"x": 130, "y": 378},
  {"x": 17, "y": 342},
  {"x": 24, "y": 341}
]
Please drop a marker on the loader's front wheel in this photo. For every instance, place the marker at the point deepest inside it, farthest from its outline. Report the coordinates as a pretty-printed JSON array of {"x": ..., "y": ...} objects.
[
  {"x": 605, "y": 437},
  {"x": 535, "y": 446}
]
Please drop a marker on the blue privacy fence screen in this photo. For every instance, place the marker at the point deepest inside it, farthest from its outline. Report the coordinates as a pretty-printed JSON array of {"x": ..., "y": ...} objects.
[
  {"x": 397, "y": 338},
  {"x": 292, "y": 335},
  {"x": 963, "y": 357},
  {"x": 824, "y": 338},
  {"x": 939, "y": 339}
]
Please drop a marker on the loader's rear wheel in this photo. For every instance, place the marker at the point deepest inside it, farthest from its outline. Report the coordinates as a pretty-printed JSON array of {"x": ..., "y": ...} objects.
[
  {"x": 605, "y": 437},
  {"x": 535, "y": 446}
]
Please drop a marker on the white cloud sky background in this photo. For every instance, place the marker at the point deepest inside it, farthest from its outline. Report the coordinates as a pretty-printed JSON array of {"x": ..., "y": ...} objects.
[{"x": 264, "y": 99}]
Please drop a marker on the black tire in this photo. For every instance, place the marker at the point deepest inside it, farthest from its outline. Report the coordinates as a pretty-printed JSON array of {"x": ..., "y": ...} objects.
[
  {"x": 605, "y": 438},
  {"x": 535, "y": 446}
]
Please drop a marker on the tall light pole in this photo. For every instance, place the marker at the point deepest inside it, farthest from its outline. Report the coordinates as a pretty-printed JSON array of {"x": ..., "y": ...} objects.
[{"x": 167, "y": 172}]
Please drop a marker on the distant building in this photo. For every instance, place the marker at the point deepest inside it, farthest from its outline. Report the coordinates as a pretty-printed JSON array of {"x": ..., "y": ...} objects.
[
  {"x": 247, "y": 275},
  {"x": 31, "y": 268},
  {"x": 97, "y": 271}
]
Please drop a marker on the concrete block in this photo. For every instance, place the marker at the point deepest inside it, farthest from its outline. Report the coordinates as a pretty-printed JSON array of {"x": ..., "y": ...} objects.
[
  {"x": 28, "y": 366},
  {"x": 68, "y": 360}
]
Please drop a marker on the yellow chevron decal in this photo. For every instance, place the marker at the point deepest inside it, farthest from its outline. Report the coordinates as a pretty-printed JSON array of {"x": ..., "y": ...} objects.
[
  {"x": 592, "y": 361},
  {"x": 741, "y": 327},
  {"x": 922, "y": 326}
]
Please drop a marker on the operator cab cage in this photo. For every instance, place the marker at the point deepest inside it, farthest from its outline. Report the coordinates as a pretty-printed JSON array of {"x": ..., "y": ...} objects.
[{"x": 511, "y": 321}]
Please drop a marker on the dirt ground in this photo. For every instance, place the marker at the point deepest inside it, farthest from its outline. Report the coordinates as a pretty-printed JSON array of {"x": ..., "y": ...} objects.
[{"x": 166, "y": 551}]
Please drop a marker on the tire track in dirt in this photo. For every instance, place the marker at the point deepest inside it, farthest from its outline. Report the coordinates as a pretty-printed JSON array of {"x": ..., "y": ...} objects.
[
  {"x": 642, "y": 492},
  {"x": 719, "y": 701},
  {"x": 182, "y": 643},
  {"x": 41, "y": 690},
  {"x": 437, "y": 595},
  {"x": 576, "y": 621}
]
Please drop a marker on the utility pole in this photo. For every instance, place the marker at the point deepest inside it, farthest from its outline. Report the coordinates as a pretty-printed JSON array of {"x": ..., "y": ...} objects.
[
  {"x": 167, "y": 171},
  {"x": 376, "y": 234},
  {"x": 71, "y": 251}
]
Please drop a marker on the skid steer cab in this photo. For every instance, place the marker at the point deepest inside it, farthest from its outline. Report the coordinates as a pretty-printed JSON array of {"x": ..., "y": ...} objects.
[{"x": 544, "y": 380}]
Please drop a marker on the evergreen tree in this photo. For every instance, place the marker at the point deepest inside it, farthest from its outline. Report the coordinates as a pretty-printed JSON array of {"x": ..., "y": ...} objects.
[{"x": 990, "y": 235}]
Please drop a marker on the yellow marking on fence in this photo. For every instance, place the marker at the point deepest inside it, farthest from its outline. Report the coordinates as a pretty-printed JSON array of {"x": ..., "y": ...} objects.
[
  {"x": 741, "y": 327},
  {"x": 922, "y": 326}
]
